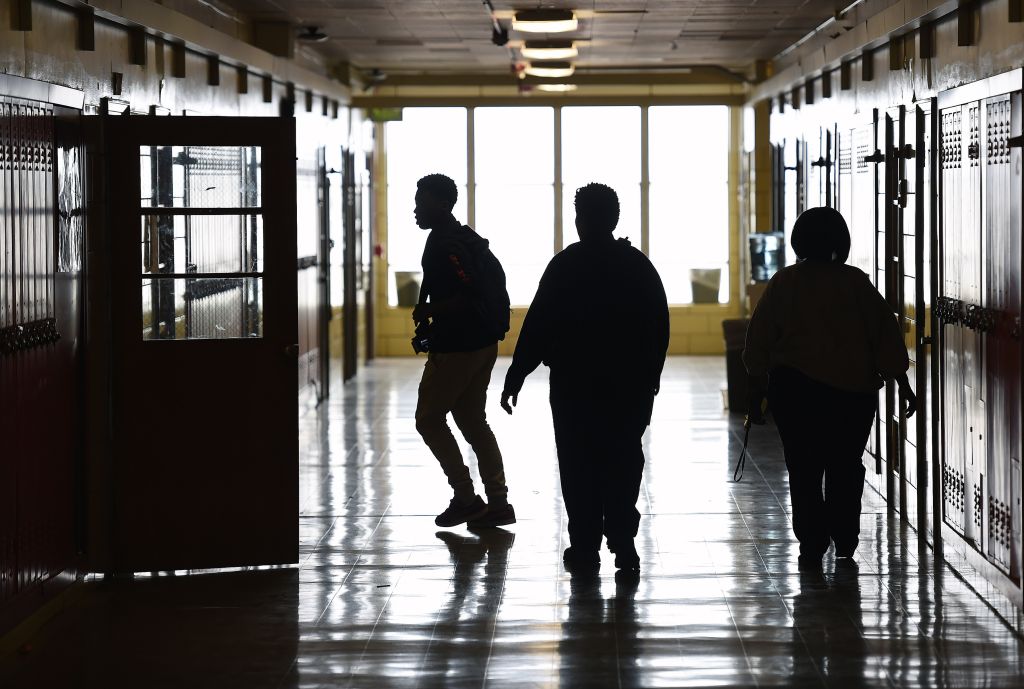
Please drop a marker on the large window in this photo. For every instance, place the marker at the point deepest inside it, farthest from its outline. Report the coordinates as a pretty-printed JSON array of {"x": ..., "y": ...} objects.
[
  {"x": 425, "y": 141},
  {"x": 689, "y": 201},
  {"x": 515, "y": 174},
  {"x": 602, "y": 144},
  {"x": 686, "y": 229}
]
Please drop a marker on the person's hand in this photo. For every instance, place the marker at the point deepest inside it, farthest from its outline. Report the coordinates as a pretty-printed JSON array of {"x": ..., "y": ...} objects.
[
  {"x": 510, "y": 393},
  {"x": 907, "y": 394},
  {"x": 421, "y": 313},
  {"x": 506, "y": 397}
]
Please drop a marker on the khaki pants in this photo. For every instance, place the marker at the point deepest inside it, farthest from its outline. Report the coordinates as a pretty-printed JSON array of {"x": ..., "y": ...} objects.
[{"x": 456, "y": 383}]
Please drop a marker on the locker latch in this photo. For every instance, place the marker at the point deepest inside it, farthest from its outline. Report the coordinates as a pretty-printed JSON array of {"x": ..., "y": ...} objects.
[
  {"x": 821, "y": 162},
  {"x": 901, "y": 194},
  {"x": 876, "y": 157},
  {"x": 906, "y": 151},
  {"x": 974, "y": 151},
  {"x": 1015, "y": 141}
]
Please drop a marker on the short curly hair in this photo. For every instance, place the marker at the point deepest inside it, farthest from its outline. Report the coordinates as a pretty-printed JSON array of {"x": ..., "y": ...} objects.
[
  {"x": 441, "y": 187},
  {"x": 599, "y": 204}
]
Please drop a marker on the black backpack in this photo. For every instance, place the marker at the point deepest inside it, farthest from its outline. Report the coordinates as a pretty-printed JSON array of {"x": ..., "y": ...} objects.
[{"x": 492, "y": 302}]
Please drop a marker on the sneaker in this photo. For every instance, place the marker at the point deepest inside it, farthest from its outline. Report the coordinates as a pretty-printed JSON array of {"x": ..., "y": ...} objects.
[
  {"x": 494, "y": 517},
  {"x": 459, "y": 512},
  {"x": 581, "y": 562}
]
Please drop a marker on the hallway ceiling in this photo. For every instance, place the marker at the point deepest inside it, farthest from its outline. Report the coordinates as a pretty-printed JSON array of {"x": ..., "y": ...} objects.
[{"x": 454, "y": 36}]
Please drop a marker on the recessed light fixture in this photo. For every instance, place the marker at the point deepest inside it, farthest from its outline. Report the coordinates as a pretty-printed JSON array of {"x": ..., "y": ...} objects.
[
  {"x": 549, "y": 50},
  {"x": 550, "y": 69},
  {"x": 556, "y": 88},
  {"x": 312, "y": 34},
  {"x": 545, "y": 21}
]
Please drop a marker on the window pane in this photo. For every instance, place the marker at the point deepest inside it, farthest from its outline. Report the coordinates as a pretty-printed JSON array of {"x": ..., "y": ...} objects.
[
  {"x": 602, "y": 144},
  {"x": 427, "y": 140},
  {"x": 689, "y": 199},
  {"x": 202, "y": 308},
  {"x": 519, "y": 222},
  {"x": 199, "y": 176},
  {"x": 515, "y": 196},
  {"x": 202, "y": 243},
  {"x": 514, "y": 145}
]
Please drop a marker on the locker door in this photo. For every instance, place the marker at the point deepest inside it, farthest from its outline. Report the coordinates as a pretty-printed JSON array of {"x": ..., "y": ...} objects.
[
  {"x": 950, "y": 306},
  {"x": 1001, "y": 318},
  {"x": 844, "y": 177},
  {"x": 972, "y": 262},
  {"x": 861, "y": 217},
  {"x": 923, "y": 209},
  {"x": 886, "y": 271},
  {"x": 815, "y": 170}
]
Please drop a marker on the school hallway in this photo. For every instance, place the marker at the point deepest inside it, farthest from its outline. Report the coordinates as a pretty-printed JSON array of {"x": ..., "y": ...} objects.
[{"x": 383, "y": 598}]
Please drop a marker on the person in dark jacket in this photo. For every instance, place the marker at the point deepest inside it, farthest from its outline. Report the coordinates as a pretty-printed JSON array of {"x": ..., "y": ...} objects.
[
  {"x": 599, "y": 321},
  {"x": 827, "y": 341},
  {"x": 462, "y": 352}
]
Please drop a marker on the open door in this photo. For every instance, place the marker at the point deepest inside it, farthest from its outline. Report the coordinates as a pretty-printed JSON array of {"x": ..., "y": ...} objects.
[{"x": 203, "y": 329}]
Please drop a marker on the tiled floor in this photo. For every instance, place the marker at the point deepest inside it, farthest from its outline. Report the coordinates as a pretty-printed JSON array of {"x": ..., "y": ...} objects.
[{"x": 384, "y": 599}]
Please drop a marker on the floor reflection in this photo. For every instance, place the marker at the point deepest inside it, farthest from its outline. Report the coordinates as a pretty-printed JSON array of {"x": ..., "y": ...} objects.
[
  {"x": 383, "y": 599},
  {"x": 599, "y": 645},
  {"x": 828, "y": 635}
]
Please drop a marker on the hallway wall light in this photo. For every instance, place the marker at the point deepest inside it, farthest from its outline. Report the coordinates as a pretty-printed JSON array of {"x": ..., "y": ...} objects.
[
  {"x": 549, "y": 50},
  {"x": 544, "y": 20},
  {"x": 550, "y": 69}
]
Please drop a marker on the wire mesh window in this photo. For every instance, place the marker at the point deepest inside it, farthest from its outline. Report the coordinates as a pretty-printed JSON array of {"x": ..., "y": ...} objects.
[{"x": 201, "y": 241}]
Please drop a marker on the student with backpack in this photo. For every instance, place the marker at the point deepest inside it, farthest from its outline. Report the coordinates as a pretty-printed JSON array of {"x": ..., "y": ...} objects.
[{"x": 463, "y": 312}]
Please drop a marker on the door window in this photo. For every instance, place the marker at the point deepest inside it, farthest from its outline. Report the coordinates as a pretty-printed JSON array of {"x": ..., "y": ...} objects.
[{"x": 201, "y": 241}]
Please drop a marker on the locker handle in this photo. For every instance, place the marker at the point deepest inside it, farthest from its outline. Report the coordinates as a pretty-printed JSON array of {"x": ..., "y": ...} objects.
[
  {"x": 974, "y": 151},
  {"x": 1015, "y": 141},
  {"x": 821, "y": 162},
  {"x": 907, "y": 152},
  {"x": 876, "y": 157}
]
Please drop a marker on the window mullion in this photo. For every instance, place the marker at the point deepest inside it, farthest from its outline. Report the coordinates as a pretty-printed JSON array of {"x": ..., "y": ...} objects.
[
  {"x": 645, "y": 184},
  {"x": 559, "y": 237},
  {"x": 471, "y": 167}
]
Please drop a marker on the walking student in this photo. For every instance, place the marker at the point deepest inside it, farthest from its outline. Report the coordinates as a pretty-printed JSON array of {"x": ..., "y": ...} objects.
[
  {"x": 599, "y": 321},
  {"x": 827, "y": 341},
  {"x": 462, "y": 313}
]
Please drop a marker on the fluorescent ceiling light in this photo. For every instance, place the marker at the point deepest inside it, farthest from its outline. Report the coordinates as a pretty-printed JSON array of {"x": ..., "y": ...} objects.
[
  {"x": 556, "y": 88},
  {"x": 544, "y": 21},
  {"x": 550, "y": 69},
  {"x": 549, "y": 50}
]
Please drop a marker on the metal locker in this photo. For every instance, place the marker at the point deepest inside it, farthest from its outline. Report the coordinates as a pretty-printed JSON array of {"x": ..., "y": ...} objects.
[
  {"x": 844, "y": 171},
  {"x": 971, "y": 266},
  {"x": 859, "y": 199},
  {"x": 998, "y": 319},
  {"x": 949, "y": 307}
]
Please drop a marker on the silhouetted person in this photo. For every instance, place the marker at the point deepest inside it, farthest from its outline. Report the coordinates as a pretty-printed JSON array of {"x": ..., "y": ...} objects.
[
  {"x": 599, "y": 321},
  {"x": 827, "y": 341},
  {"x": 463, "y": 346}
]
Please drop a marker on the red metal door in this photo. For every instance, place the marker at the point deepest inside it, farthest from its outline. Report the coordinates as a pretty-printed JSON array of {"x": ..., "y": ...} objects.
[{"x": 202, "y": 235}]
